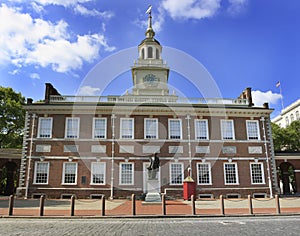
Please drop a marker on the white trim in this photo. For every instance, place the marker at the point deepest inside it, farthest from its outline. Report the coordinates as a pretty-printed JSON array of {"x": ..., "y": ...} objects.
[
  {"x": 262, "y": 172},
  {"x": 121, "y": 128},
  {"x": 169, "y": 126},
  {"x": 170, "y": 173},
  {"x": 39, "y": 127},
  {"x": 257, "y": 126},
  {"x": 145, "y": 129},
  {"x": 93, "y": 131},
  {"x": 104, "y": 174},
  {"x": 66, "y": 127},
  {"x": 63, "y": 173},
  {"x": 236, "y": 173},
  {"x": 233, "y": 132},
  {"x": 120, "y": 173},
  {"x": 35, "y": 172},
  {"x": 209, "y": 173},
  {"x": 206, "y": 124}
]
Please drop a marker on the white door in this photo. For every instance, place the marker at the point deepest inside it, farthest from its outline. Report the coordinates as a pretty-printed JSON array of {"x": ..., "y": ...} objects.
[{"x": 145, "y": 176}]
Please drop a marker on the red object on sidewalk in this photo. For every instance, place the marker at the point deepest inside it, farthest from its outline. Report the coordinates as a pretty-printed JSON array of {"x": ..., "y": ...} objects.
[{"x": 189, "y": 188}]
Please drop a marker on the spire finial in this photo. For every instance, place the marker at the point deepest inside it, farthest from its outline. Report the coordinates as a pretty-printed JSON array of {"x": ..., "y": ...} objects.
[{"x": 149, "y": 33}]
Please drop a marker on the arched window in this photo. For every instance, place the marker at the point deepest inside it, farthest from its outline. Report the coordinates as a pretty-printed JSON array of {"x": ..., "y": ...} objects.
[
  {"x": 150, "y": 52},
  {"x": 297, "y": 115},
  {"x": 157, "y": 53},
  {"x": 287, "y": 122},
  {"x": 292, "y": 117},
  {"x": 143, "y": 53}
]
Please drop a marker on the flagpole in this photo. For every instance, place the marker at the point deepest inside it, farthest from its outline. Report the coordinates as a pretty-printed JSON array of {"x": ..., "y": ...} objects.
[{"x": 280, "y": 90}]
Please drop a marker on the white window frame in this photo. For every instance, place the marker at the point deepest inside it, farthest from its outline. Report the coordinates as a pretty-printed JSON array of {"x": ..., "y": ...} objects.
[
  {"x": 169, "y": 128},
  {"x": 105, "y": 129},
  {"x": 35, "y": 172},
  {"x": 66, "y": 127},
  {"x": 222, "y": 129},
  {"x": 209, "y": 173},
  {"x": 145, "y": 128},
  {"x": 197, "y": 130},
  {"x": 236, "y": 173},
  {"x": 262, "y": 172},
  {"x": 170, "y": 172},
  {"x": 76, "y": 172},
  {"x": 121, "y": 128},
  {"x": 39, "y": 128},
  {"x": 257, "y": 127},
  {"x": 104, "y": 173},
  {"x": 120, "y": 173}
]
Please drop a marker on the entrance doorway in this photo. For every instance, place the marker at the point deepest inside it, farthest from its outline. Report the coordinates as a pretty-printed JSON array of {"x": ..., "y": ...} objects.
[
  {"x": 146, "y": 177},
  {"x": 9, "y": 178},
  {"x": 287, "y": 178}
]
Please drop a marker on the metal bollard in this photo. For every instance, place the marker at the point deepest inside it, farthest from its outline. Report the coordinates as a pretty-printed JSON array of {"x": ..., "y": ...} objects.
[
  {"x": 193, "y": 205},
  {"x": 72, "y": 210},
  {"x": 103, "y": 205},
  {"x": 278, "y": 211},
  {"x": 163, "y": 201},
  {"x": 11, "y": 205},
  {"x": 222, "y": 205},
  {"x": 250, "y": 205},
  {"x": 133, "y": 204},
  {"x": 42, "y": 204}
]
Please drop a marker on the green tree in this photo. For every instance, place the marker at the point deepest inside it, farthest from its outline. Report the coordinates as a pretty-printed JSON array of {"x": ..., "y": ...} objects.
[
  {"x": 12, "y": 117},
  {"x": 293, "y": 133},
  {"x": 279, "y": 137}
]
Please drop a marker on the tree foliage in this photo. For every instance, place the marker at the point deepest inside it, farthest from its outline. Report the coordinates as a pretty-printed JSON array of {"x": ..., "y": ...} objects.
[
  {"x": 12, "y": 117},
  {"x": 287, "y": 139}
]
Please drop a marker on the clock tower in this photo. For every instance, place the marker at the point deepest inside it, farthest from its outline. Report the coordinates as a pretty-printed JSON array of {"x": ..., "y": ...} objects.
[{"x": 150, "y": 73}]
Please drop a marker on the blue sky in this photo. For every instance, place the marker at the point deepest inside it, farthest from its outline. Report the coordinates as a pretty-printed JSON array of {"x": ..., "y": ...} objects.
[{"x": 242, "y": 43}]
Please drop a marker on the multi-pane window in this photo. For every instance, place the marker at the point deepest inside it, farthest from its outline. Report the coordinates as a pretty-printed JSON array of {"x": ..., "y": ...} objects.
[
  {"x": 297, "y": 115},
  {"x": 201, "y": 129},
  {"x": 45, "y": 127},
  {"x": 257, "y": 173},
  {"x": 41, "y": 172},
  {"x": 127, "y": 128},
  {"x": 72, "y": 127},
  {"x": 204, "y": 173},
  {"x": 98, "y": 173},
  {"x": 99, "y": 130},
  {"x": 231, "y": 173},
  {"x": 151, "y": 128},
  {"x": 126, "y": 173},
  {"x": 175, "y": 130},
  {"x": 176, "y": 173},
  {"x": 227, "y": 129},
  {"x": 253, "y": 130},
  {"x": 287, "y": 121},
  {"x": 292, "y": 117},
  {"x": 70, "y": 173}
]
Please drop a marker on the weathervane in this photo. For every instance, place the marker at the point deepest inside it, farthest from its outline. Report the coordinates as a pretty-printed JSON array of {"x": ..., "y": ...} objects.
[{"x": 149, "y": 10}]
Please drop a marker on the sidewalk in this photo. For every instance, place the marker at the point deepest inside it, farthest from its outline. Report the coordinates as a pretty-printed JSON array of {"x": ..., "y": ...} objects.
[{"x": 30, "y": 207}]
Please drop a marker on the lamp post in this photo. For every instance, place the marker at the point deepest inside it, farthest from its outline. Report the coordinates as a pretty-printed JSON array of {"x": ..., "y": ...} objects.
[
  {"x": 113, "y": 117},
  {"x": 188, "y": 118}
]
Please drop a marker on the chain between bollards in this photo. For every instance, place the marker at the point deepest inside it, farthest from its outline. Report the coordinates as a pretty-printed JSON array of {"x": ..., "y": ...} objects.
[
  {"x": 72, "y": 211},
  {"x": 133, "y": 205},
  {"x": 103, "y": 205},
  {"x": 11, "y": 205},
  {"x": 42, "y": 204}
]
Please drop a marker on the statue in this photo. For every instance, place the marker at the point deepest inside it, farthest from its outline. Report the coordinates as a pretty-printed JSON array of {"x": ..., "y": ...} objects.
[{"x": 153, "y": 167}]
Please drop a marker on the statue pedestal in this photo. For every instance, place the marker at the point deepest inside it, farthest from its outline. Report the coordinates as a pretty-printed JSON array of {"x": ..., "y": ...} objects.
[{"x": 153, "y": 189}]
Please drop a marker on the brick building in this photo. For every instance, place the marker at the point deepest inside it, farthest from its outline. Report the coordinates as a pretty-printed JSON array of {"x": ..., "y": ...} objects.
[{"x": 91, "y": 146}]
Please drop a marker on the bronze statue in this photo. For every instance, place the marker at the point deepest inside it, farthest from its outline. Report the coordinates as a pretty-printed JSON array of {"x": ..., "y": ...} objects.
[{"x": 153, "y": 167}]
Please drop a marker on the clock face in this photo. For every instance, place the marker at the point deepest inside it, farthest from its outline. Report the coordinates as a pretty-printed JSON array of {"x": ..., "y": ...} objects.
[{"x": 151, "y": 80}]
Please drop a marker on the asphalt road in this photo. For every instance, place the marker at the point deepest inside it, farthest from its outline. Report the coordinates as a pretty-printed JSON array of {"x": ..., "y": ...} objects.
[{"x": 271, "y": 225}]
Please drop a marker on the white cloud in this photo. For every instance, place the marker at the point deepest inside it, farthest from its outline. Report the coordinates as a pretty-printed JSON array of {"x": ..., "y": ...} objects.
[
  {"x": 25, "y": 40},
  {"x": 236, "y": 6},
  {"x": 259, "y": 97},
  {"x": 34, "y": 76},
  {"x": 88, "y": 91},
  {"x": 86, "y": 12},
  {"x": 191, "y": 9}
]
